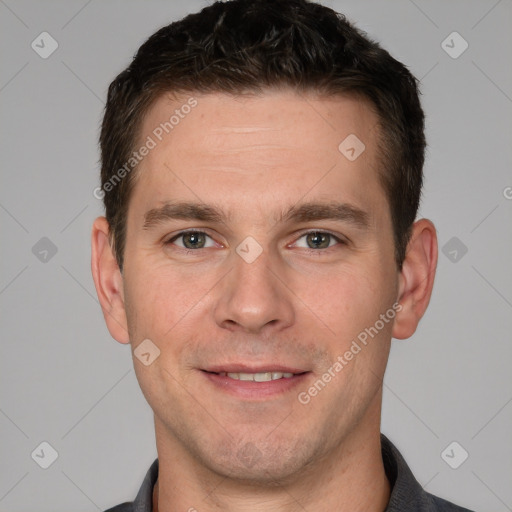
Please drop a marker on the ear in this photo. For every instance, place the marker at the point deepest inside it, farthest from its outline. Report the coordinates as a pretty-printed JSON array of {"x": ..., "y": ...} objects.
[
  {"x": 108, "y": 281},
  {"x": 416, "y": 278}
]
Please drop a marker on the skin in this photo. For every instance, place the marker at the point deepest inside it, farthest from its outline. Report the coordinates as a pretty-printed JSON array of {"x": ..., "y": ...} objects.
[{"x": 296, "y": 304}]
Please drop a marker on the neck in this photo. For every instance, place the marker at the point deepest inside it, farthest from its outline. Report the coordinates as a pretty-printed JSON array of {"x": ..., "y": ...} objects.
[{"x": 352, "y": 477}]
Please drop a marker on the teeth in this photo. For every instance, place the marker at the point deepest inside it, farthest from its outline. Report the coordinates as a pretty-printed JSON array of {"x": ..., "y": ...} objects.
[
  {"x": 258, "y": 377},
  {"x": 265, "y": 377}
]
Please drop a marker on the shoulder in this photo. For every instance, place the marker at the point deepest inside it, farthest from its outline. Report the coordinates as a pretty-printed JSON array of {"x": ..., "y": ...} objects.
[
  {"x": 144, "y": 499},
  {"x": 441, "y": 505},
  {"x": 407, "y": 495},
  {"x": 123, "y": 507}
]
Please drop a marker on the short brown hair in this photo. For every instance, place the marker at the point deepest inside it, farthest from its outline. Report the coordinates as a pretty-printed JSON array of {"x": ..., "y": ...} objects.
[{"x": 252, "y": 45}]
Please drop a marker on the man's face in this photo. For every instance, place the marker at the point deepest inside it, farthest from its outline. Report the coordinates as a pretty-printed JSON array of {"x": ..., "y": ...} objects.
[{"x": 267, "y": 286}]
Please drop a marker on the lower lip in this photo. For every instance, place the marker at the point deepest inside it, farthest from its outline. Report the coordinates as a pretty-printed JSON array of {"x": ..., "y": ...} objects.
[{"x": 248, "y": 389}]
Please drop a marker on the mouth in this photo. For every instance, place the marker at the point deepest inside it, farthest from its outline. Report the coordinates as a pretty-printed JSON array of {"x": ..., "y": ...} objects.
[
  {"x": 257, "y": 377},
  {"x": 255, "y": 383}
]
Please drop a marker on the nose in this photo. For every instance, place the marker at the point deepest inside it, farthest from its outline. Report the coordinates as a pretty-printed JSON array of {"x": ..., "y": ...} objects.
[{"x": 253, "y": 297}]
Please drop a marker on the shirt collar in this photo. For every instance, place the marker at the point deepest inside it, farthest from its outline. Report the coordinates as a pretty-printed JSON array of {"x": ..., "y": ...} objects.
[
  {"x": 406, "y": 493},
  {"x": 144, "y": 500}
]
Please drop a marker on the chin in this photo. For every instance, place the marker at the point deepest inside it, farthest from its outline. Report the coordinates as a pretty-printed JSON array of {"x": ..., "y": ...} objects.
[{"x": 260, "y": 462}]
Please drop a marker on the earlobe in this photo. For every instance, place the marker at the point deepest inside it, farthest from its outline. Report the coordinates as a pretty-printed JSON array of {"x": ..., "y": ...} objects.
[
  {"x": 108, "y": 281},
  {"x": 416, "y": 278}
]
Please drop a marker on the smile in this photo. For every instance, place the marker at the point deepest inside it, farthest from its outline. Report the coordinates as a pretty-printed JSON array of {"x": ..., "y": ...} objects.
[
  {"x": 255, "y": 384},
  {"x": 257, "y": 377}
]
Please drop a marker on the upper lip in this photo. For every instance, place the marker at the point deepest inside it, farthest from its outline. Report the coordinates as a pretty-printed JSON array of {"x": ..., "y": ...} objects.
[{"x": 260, "y": 368}]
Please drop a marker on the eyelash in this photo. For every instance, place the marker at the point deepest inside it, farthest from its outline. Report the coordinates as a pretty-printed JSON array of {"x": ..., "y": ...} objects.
[
  {"x": 303, "y": 234},
  {"x": 340, "y": 241},
  {"x": 187, "y": 232}
]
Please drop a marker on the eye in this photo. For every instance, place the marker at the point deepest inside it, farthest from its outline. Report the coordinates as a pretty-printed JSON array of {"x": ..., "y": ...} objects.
[
  {"x": 318, "y": 240},
  {"x": 192, "y": 240}
]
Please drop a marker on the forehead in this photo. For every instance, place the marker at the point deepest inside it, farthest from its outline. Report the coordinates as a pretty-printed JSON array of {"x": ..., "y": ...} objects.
[
  {"x": 268, "y": 147},
  {"x": 244, "y": 117}
]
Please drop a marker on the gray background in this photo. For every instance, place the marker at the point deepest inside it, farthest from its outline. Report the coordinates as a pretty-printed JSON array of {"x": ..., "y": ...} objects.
[{"x": 65, "y": 381}]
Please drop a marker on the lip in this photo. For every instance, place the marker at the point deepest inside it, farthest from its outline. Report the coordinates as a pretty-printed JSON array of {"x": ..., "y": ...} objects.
[
  {"x": 243, "y": 368},
  {"x": 251, "y": 390}
]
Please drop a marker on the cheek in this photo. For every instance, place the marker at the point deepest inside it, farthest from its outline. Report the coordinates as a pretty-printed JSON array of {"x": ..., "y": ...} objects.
[
  {"x": 147, "y": 305},
  {"x": 160, "y": 307},
  {"x": 161, "y": 301},
  {"x": 347, "y": 301}
]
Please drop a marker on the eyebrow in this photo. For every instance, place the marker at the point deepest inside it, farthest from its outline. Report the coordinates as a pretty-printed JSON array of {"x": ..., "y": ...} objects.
[
  {"x": 305, "y": 212},
  {"x": 344, "y": 212},
  {"x": 183, "y": 211}
]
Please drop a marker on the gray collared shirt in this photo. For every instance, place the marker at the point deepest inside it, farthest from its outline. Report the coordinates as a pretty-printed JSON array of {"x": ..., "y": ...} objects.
[{"x": 407, "y": 495}]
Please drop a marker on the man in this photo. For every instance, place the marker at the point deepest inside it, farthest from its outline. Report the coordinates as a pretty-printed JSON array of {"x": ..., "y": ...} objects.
[{"x": 261, "y": 173}]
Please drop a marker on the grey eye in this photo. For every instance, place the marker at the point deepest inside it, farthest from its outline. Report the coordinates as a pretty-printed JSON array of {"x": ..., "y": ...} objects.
[{"x": 192, "y": 240}]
